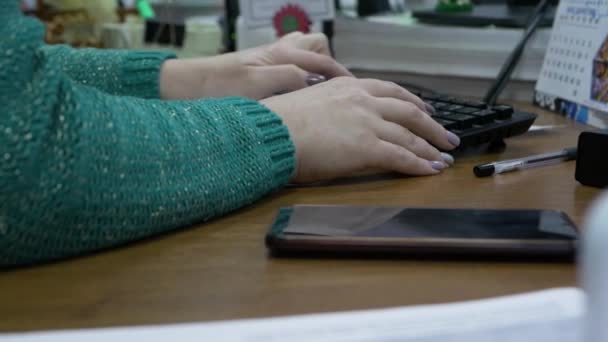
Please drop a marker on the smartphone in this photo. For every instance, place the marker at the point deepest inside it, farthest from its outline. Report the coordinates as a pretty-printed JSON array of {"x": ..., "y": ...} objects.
[{"x": 426, "y": 232}]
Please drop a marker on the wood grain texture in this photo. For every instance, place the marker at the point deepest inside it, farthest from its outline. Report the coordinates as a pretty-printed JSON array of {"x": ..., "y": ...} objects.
[{"x": 221, "y": 270}]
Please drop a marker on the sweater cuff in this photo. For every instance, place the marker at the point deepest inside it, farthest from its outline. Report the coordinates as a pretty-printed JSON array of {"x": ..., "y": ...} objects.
[
  {"x": 275, "y": 137},
  {"x": 143, "y": 70}
]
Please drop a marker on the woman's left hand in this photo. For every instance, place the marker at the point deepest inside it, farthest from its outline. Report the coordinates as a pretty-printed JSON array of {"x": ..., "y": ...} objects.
[{"x": 293, "y": 62}]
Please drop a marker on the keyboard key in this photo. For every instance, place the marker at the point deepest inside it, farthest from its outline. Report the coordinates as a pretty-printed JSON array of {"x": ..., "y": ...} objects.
[
  {"x": 467, "y": 110},
  {"x": 474, "y": 121},
  {"x": 457, "y": 131},
  {"x": 486, "y": 115},
  {"x": 458, "y": 101},
  {"x": 503, "y": 111},
  {"x": 453, "y": 108},
  {"x": 442, "y": 113},
  {"x": 440, "y": 105},
  {"x": 447, "y": 98},
  {"x": 462, "y": 120},
  {"x": 447, "y": 124},
  {"x": 476, "y": 104},
  {"x": 431, "y": 97}
]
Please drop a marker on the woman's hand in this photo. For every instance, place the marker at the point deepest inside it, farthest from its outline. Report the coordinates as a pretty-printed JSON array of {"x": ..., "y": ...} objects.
[
  {"x": 293, "y": 62},
  {"x": 349, "y": 125}
]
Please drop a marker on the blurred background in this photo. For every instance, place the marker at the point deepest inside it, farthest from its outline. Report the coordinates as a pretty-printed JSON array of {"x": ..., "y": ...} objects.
[{"x": 450, "y": 46}]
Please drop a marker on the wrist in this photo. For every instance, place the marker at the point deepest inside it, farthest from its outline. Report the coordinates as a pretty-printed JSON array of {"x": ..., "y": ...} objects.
[
  {"x": 184, "y": 79},
  {"x": 290, "y": 125},
  {"x": 168, "y": 78}
]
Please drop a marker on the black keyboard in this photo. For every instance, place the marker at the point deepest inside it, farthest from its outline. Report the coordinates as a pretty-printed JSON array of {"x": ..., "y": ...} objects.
[{"x": 475, "y": 122}]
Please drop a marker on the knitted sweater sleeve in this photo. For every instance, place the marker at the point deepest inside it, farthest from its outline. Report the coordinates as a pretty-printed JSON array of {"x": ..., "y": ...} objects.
[
  {"x": 84, "y": 170},
  {"x": 117, "y": 72}
]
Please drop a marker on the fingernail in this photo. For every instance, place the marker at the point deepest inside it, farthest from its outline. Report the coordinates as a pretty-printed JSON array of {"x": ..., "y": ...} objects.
[
  {"x": 429, "y": 109},
  {"x": 453, "y": 139},
  {"x": 447, "y": 158},
  {"x": 437, "y": 165},
  {"x": 313, "y": 79}
]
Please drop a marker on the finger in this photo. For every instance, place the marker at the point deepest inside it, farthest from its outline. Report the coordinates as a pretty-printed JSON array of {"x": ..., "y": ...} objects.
[
  {"x": 411, "y": 117},
  {"x": 389, "y": 156},
  {"x": 401, "y": 136},
  {"x": 380, "y": 88},
  {"x": 312, "y": 62},
  {"x": 276, "y": 79},
  {"x": 315, "y": 42},
  {"x": 292, "y": 36}
]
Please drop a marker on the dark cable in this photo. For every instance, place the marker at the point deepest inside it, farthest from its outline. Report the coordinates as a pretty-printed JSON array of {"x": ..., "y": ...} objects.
[{"x": 511, "y": 62}]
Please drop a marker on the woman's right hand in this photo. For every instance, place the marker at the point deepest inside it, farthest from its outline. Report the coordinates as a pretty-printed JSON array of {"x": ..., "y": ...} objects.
[{"x": 348, "y": 125}]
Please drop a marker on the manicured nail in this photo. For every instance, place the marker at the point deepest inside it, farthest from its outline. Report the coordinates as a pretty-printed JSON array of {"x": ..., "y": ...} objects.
[
  {"x": 447, "y": 158},
  {"x": 313, "y": 79},
  {"x": 429, "y": 109},
  {"x": 437, "y": 165},
  {"x": 453, "y": 139}
]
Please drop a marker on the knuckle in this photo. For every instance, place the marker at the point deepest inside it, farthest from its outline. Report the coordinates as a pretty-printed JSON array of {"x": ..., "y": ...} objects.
[
  {"x": 358, "y": 97},
  {"x": 413, "y": 110},
  {"x": 408, "y": 93},
  {"x": 365, "y": 125},
  {"x": 292, "y": 35},
  {"x": 366, "y": 137},
  {"x": 293, "y": 69},
  {"x": 432, "y": 129},
  {"x": 402, "y": 131},
  {"x": 424, "y": 147},
  {"x": 276, "y": 49},
  {"x": 410, "y": 139},
  {"x": 411, "y": 167},
  {"x": 404, "y": 160},
  {"x": 370, "y": 120},
  {"x": 319, "y": 38},
  {"x": 343, "y": 81},
  {"x": 325, "y": 61},
  {"x": 395, "y": 88},
  {"x": 427, "y": 151},
  {"x": 381, "y": 153}
]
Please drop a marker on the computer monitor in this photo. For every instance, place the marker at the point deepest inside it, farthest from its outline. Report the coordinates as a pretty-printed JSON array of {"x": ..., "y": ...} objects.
[
  {"x": 371, "y": 7},
  {"x": 510, "y": 13}
]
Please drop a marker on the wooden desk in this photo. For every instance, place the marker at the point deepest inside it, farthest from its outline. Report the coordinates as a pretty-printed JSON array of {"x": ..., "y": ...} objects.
[{"x": 221, "y": 270}]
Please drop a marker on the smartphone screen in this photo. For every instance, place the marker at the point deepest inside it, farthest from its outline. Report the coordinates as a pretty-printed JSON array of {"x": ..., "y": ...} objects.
[{"x": 430, "y": 223}]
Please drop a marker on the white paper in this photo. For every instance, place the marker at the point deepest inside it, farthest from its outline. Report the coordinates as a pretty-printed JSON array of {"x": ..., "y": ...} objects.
[
  {"x": 578, "y": 42},
  {"x": 545, "y": 316},
  {"x": 259, "y": 13}
]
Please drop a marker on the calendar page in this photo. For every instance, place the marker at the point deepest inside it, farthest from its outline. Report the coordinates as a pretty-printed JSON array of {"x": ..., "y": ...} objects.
[{"x": 576, "y": 62}]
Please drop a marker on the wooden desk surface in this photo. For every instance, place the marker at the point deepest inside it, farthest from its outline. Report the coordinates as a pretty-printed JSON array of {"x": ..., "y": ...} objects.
[{"x": 221, "y": 270}]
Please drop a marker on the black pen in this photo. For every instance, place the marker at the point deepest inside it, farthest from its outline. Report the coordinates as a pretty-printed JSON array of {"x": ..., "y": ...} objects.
[{"x": 485, "y": 170}]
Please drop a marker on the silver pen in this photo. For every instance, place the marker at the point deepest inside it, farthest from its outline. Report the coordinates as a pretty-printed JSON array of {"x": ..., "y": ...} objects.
[{"x": 485, "y": 170}]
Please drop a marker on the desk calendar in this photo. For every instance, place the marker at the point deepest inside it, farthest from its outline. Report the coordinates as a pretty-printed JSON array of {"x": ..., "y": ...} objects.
[{"x": 574, "y": 76}]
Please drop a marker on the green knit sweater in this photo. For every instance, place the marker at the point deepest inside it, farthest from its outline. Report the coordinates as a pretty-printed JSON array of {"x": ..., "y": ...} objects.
[{"x": 90, "y": 157}]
